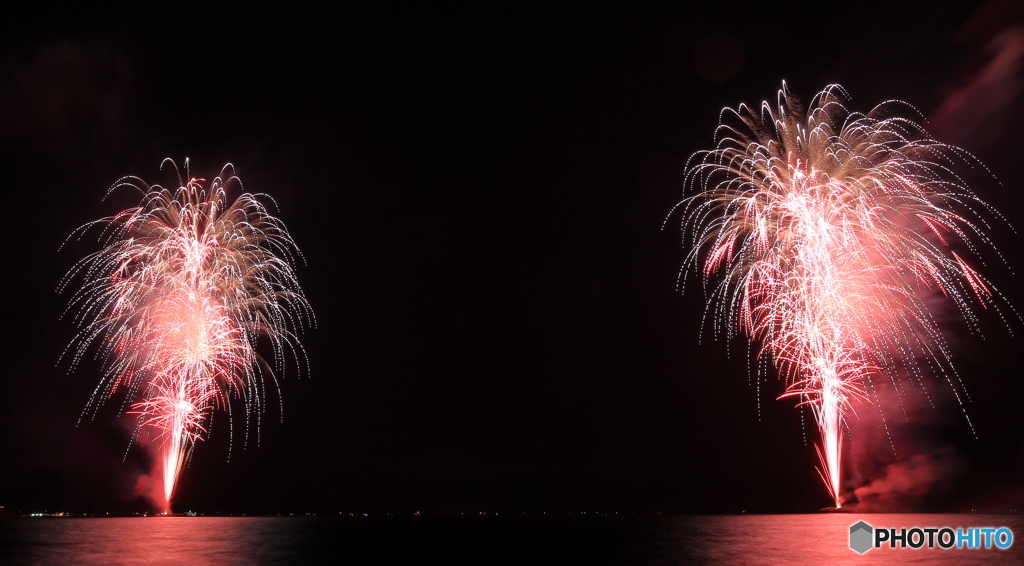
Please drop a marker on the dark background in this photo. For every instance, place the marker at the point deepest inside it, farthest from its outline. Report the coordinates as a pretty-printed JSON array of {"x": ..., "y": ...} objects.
[{"x": 479, "y": 193}]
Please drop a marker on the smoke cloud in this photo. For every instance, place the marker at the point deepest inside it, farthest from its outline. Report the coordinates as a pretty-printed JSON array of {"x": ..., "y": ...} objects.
[{"x": 905, "y": 485}]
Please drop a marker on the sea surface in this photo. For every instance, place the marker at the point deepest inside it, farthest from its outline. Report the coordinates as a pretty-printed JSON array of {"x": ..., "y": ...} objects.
[{"x": 744, "y": 539}]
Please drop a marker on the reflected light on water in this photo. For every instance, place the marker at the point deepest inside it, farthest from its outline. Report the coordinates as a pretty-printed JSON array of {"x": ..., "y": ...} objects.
[
  {"x": 658, "y": 540},
  {"x": 156, "y": 540},
  {"x": 818, "y": 539}
]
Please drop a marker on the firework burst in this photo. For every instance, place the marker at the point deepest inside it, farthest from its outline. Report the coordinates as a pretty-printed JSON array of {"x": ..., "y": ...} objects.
[
  {"x": 186, "y": 285},
  {"x": 819, "y": 233}
]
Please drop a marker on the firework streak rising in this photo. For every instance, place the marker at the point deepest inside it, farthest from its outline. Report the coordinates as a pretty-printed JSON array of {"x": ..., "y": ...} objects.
[
  {"x": 185, "y": 286},
  {"x": 819, "y": 233}
]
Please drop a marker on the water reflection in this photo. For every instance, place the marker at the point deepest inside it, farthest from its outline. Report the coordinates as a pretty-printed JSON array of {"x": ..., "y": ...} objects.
[
  {"x": 662, "y": 540},
  {"x": 813, "y": 539},
  {"x": 155, "y": 540}
]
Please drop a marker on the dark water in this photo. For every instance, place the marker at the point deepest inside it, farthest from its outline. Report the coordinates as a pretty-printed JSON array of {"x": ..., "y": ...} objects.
[{"x": 754, "y": 539}]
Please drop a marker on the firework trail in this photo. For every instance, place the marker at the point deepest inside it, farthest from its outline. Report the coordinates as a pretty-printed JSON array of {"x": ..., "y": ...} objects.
[
  {"x": 819, "y": 233},
  {"x": 186, "y": 285}
]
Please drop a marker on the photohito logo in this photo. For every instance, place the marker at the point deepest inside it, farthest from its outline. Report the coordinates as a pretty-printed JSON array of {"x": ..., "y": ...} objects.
[{"x": 864, "y": 537}]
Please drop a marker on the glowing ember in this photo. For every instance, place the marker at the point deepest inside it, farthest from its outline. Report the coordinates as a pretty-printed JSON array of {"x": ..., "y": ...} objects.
[
  {"x": 185, "y": 286},
  {"x": 830, "y": 229}
]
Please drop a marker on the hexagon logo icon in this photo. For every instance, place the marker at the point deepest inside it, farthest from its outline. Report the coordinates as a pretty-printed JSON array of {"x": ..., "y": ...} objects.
[{"x": 860, "y": 537}]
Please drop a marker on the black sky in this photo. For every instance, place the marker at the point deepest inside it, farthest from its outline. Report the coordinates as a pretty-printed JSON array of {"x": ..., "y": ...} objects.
[{"x": 479, "y": 194}]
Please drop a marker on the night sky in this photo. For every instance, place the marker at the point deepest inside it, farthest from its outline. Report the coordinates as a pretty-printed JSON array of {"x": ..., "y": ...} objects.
[{"x": 479, "y": 193}]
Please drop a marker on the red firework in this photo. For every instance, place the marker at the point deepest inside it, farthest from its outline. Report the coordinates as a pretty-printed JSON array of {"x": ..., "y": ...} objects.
[
  {"x": 830, "y": 228},
  {"x": 185, "y": 286}
]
